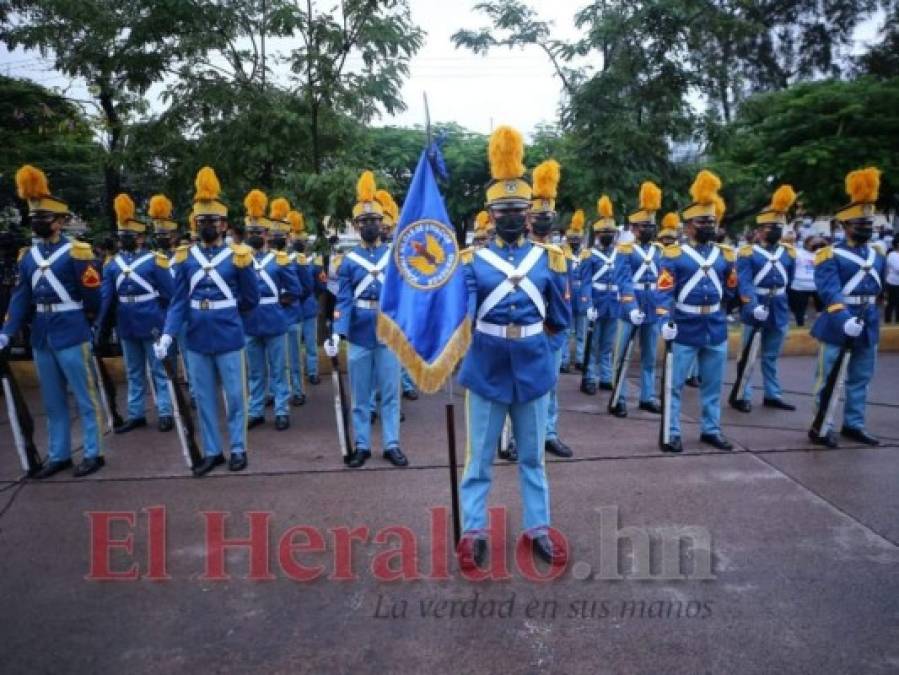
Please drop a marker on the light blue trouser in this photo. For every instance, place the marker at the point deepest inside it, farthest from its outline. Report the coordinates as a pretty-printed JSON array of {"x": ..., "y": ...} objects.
[
  {"x": 294, "y": 336},
  {"x": 406, "y": 380},
  {"x": 205, "y": 372},
  {"x": 374, "y": 369},
  {"x": 710, "y": 361},
  {"x": 484, "y": 421},
  {"x": 310, "y": 335},
  {"x": 137, "y": 355},
  {"x": 267, "y": 355},
  {"x": 647, "y": 337},
  {"x": 579, "y": 331},
  {"x": 604, "y": 331},
  {"x": 858, "y": 376},
  {"x": 59, "y": 370},
  {"x": 769, "y": 352},
  {"x": 552, "y": 401}
]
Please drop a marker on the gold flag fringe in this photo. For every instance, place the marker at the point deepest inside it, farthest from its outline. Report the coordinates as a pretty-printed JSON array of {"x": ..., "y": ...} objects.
[{"x": 428, "y": 377}]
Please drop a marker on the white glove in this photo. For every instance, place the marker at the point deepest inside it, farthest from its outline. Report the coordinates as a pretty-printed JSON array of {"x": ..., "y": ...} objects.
[
  {"x": 4, "y": 340},
  {"x": 637, "y": 317},
  {"x": 669, "y": 331},
  {"x": 332, "y": 346},
  {"x": 760, "y": 313},
  {"x": 853, "y": 327},
  {"x": 161, "y": 348},
  {"x": 592, "y": 314}
]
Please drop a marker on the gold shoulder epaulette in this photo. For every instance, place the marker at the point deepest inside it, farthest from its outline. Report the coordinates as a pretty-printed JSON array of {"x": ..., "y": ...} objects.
[
  {"x": 825, "y": 253},
  {"x": 672, "y": 251},
  {"x": 879, "y": 247},
  {"x": 181, "y": 253},
  {"x": 729, "y": 254},
  {"x": 283, "y": 258},
  {"x": 791, "y": 250},
  {"x": 466, "y": 255},
  {"x": 556, "y": 257},
  {"x": 243, "y": 255},
  {"x": 317, "y": 260},
  {"x": 162, "y": 260},
  {"x": 659, "y": 245},
  {"x": 625, "y": 248},
  {"x": 81, "y": 250},
  {"x": 746, "y": 250},
  {"x": 22, "y": 252}
]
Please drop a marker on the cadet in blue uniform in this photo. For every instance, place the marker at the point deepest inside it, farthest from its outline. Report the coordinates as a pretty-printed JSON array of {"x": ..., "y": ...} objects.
[
  {"x": 58, "y": 288},
  {"x": 543, "y": 217},
  {"x": 138, "y": 287},
  {"x": 483, "y": 230},
  {"x": 599, "y": 293},
  {"x": 572, "y": 250},
  {"x": 516, "y": 297},
  {"x": 848, "y": 279},
  {"x": 699, "y": 278},
  {"x": 640, "y": 310},
  {"x": 765, "y": 271},
  {"x": 214, "y": 284},
  {"x": 669, "y": 235},
  {"x": 372, "y": 366},
  {"x": 265, "y": 325},
  {"x": 297, "y": 312}
]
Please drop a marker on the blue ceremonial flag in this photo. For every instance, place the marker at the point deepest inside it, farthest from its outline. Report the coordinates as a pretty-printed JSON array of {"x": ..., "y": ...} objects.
[{"x": 423, "y": 316}]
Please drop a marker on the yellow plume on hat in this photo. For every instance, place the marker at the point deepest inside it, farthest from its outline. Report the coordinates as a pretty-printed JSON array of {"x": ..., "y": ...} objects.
[
  {"x": 783, "y": 198},
  {"x": 207, "y": 184},
  {"x": 366, "y": 187},
  {"x": 297, "y": 222},
  {"x": 385, "y": 199},
  {"x": 506, "y": 152},
  {"x": 650, "y": 196},
  {"x": 124, "y": 208},
  {"x": 670, "y": 221},
  {"x": 31, "y": 183},
  {"x": 704, "y": 187},
  {"x": 546, "y": 179},
  {"x": 160, "y": 207},
  {"x": 604, "y": 207},
  {"x": 279, "y": 209},
  {"x": 482, "y": 219},
  {"x": 577, "y": 220},
  {"x": 863, "y": 185},
  {"x": 720, "y": 206},
  {"x": 255, "y": 203}
]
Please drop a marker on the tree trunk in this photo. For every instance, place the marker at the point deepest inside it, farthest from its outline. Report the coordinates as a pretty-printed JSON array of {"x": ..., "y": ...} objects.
[{"x": 112, "y": 177}]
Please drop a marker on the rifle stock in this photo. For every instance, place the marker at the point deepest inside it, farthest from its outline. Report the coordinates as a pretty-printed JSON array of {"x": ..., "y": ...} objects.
[{"x": 20, "y": 420}]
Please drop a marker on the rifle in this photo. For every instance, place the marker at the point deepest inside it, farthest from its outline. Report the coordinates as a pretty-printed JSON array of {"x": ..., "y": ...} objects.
[
  {"x": 20, "y": 420},
  {"x": 588, "y": 347},
  {"x": 746, "y": 364},
  {"x": 184, "y": 422},
  {"x": 667, "y": 381},
  {"x": 107, "y": 391},
  {"x": 832, "y": 391},
  {"x": 621, "y": 367},
  {"x": 341, "y": 407}
]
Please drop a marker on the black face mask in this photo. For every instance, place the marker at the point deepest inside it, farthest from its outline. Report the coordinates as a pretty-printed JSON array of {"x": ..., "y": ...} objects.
[
  {"x": 605, "y": 240},
  {"x": 333, "y": 240},
  {"x": 299, "y": 246},
  {"x": 279, "y": 243},
  {"x": 128, "y": 242},
  {"x": 256, "y": 241},
  {"x": 209, "y": 233},
  {"x": 575, "y": 246},
  {"x": 773, "y": 235},
  {"x": 42, "y": 228},
  {"x": 646, "y": 234},
  {"x": 163, "y": 241},
  {"x": 542, "y": 225},
  {"x": 370, "y": 232},
  {"x": 705, "y": 234},
  {"x": 510, "y": 227},
  {"x": 862, "y": 234}
]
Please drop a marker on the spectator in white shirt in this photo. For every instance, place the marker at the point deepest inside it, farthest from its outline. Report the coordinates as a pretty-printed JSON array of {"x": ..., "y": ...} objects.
[
  {"x": 891, "y": 310},
  {"x": 802, "y": 288}
]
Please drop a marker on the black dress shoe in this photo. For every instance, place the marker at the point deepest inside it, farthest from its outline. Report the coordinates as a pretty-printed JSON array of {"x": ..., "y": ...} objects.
[
  {"x": 651, "y": 406},
  {"x": 51, "y": 468},
  {"x": 238, "y": 461},
  {"x": 298, "y": 399},
  {"x": 548, "y": 552},
  {"x": 165, "y": 423},
  {"x": 411, "y": 394},
  {"x": 471, "y": 552},
  {"x": 565, "y": 369},
  {"x": 716, "y": 441},
  {"x": 131, "y": 425},
  {"x": 556, "y": 447},
  {"x": 314, "y": 379},
  {"x": 778, "y": 403},
  {"x": 859, "y": 435},
  {"x": 396, "y": 457},
  {"x": 88, "y": 466},
  {"x": 692, "y": 381},
  {"x": 282, "y": 422},
  {"x": 828, "y": 440},
  {"x": 509, "y": 453},
  {"x": 588, "y": 388},
  {"x": 605, "y": 386},
  {"x": 674, "y": 444},
  {"x": 742, "y": 405},
  {"x": 619, "y": 409},
  {"x": 357, "y": 459},
  {"x": 207, "y": 464},
  {"x": 254, "y": 422}
]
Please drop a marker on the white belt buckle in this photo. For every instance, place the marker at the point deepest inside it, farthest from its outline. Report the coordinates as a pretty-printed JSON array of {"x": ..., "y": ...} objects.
[{"x": 513, "y": 332}]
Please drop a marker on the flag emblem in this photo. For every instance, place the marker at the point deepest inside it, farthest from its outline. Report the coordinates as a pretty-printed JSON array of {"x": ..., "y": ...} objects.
[
  {"x": 426, "y": 254},
  {"x": 666, "y": 281},
  {"x": 90, "y": 278}
]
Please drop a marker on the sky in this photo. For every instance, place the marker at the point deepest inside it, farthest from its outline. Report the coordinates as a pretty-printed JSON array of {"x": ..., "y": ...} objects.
[{"x": 516, "y": 87}]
